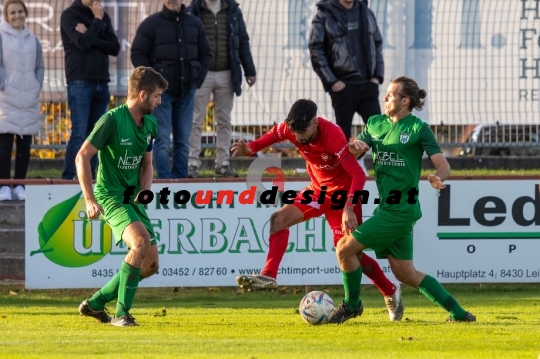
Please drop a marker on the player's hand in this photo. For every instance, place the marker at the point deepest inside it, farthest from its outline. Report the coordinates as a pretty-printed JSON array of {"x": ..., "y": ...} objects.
[
  {"x": 97, "y": 9},
  {"x": 240, "y": 148},
  {"x": 338, "y": 86},
  {"x": 251, "y": 80},
  {"x": 436, "y": 182},
  {"x": 358, "y": 147},
  {"x": 81, "y": 28},
  {"x": 375, "y": 80},
  {"x": 93, "y": 209},
  {"x": 348, "y": 220}
]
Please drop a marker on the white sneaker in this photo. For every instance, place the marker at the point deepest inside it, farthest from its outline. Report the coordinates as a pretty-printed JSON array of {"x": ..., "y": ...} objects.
[
  {"x": 18, "y": 193},
  {"x": 5, "y": 193},
  {"x": 394, "y": 304}
]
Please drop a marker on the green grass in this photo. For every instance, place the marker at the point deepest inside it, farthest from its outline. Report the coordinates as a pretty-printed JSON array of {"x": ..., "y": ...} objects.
[
  {"x": 200, "y": 323},
  {"x": 57, "y": 173}
]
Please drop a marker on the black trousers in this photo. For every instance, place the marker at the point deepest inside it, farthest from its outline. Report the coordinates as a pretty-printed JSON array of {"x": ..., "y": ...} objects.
[
  {"x": 360, "y": 98},
  {"x": 22, "y": 158}
]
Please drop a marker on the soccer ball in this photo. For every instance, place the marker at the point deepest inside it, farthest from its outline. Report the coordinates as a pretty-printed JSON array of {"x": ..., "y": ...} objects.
[{"x": 316, "y": 307}]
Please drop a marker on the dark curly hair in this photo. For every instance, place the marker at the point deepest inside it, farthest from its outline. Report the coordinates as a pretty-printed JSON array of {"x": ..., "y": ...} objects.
[{"x": 300, "y": 115}]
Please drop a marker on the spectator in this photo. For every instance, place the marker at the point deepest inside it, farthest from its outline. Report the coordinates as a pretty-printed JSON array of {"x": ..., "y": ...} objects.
[
  {"x": 21, "y": 78},
  {"x": 346, "y": 53},
  {"x": 88, "y": 39},
  {"x": 173, "y": 43},
  {"x": 229, "y": 41}
]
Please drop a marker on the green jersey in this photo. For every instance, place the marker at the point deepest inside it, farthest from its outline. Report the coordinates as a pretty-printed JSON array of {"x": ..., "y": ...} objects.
[
  {"x": 397, "y": 160},
  {"x": 121, "y": 144}
]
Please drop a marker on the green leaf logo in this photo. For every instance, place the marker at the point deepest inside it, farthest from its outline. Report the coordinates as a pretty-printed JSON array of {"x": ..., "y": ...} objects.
[{"x": 69, "y": 239}]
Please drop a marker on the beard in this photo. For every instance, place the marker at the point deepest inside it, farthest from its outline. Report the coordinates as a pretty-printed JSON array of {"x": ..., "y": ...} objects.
[
  {"x": 391, "y": 112},
  {"x": 305, "y": 141},
  {"x": 147, "y": 108}
]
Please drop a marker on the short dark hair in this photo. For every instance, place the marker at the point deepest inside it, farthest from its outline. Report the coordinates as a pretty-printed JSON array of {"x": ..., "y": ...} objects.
[
  {"x": 145, "y": 79},
  {"x": 9, "y": 2},
  {"x": 410, "y": 89},
  {"x": 300, "y": 115}
]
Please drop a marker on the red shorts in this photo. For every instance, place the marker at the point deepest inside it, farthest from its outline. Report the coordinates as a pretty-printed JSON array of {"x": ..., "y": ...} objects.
[{"x": 333, "y": 216}]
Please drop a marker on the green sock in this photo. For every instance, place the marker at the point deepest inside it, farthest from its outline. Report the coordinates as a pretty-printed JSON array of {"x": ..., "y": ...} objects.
[
  {"x": 351, "y": 284},
  {"x": 434, "y": 291},
  {"x": 129, "y": 280},
  {"x": 106, "y": 294}
]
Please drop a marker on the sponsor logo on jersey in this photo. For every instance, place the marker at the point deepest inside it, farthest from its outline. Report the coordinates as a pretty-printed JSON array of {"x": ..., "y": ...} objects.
[
  {"x": 338, "y": 155},
  {"x": 404, "y": 137},
  {"x": 129, "y": 162},
  {"x": 388, "y": 158},
  {"x": 325, "y": 157},
  {"x": 124, "y": 141}
]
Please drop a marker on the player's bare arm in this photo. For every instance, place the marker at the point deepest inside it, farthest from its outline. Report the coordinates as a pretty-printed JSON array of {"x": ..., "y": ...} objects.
[
  {"x": 348, "y": 219},
  {"x": 358, "y": 147},
  {"x": 442, "y": 171},
  {"x": 240, "y": 148},
  {"x": 84, "y": 174}
]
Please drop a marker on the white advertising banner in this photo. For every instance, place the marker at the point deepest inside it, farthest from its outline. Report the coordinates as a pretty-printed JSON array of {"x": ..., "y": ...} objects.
[{"x": 474, "y": 232}]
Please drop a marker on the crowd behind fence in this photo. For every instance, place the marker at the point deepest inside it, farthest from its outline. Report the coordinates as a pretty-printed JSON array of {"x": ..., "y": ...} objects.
[{"x": 479, "y": 61}]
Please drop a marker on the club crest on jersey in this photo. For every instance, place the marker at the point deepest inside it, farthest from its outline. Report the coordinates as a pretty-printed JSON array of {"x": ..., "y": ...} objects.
[
  {"x": 404, "y": 137},
  {"x": 148, "y": 138},
  {"x": 325, "y": 157}
]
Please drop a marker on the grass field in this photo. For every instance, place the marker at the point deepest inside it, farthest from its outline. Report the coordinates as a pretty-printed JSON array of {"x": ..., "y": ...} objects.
[{"x": 222, "y": 323}]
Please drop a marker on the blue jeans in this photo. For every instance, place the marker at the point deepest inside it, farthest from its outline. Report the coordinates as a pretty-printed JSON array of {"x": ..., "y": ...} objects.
[
  {"x": 176, "y": 114},
  {"x": 88, "y": 101}
]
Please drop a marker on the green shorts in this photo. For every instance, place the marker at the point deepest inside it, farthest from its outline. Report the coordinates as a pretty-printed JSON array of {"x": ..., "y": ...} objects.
[
  {"x": 119, "y": 215},
  {"x": 385, "y": 234}
]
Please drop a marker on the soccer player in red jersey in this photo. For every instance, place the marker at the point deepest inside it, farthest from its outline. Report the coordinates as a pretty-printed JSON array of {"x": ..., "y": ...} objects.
[{"x": 331, "y": 168}]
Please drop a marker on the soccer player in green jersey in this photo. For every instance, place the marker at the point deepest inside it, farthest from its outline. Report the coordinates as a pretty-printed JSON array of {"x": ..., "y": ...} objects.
[
  {"x": 398, "y": 139},
  {"x": 123, "y": 138}
]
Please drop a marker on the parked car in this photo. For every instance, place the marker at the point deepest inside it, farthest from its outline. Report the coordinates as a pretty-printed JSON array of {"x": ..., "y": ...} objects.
[{"x": 503, "y": 140}]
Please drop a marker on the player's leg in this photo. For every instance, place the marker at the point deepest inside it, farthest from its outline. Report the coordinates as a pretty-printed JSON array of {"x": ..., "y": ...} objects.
[
  {"x": 109, "y": 292},
  {"x": 138, "y": 240},
  {"x": 377, "y": 233},
  {"x": 118, "y": 216},
  {"x": 405, "y": 271},
  {"x": 390, "y": 290},
  {"x": 347, "y": 251},
  {"x": 280, "y": 222},
  {"x": 370, "y": 267}
]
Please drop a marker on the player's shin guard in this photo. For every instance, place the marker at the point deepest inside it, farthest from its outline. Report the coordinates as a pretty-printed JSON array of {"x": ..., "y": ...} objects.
[
  {"x": 373, "y": 271},
  {"x": 351, "y": 285},
  {"x": 434, "y": 291},
  {"x": 129, "y": 281},
  {"x": 278, "y": 245}
]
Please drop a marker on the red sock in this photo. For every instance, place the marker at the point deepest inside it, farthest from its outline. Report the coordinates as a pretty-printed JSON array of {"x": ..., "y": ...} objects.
[
  {"x": 373, "y": 271},
  {"x": 278, "y": 245}
]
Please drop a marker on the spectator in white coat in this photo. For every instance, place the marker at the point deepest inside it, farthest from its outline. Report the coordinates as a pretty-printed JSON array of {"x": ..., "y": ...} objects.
[{"x": 21, "y": 78}]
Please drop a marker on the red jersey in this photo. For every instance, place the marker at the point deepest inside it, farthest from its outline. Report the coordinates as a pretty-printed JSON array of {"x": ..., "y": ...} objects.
[{"x": 329, "y": 162}]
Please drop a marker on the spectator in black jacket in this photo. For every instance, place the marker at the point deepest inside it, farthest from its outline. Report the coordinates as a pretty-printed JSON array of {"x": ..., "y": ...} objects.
[
  {"x": 88, "y": 39},
  {"x": 229, "y": 41},
  {"x": 346, "y": 53},
  {"x": 174, "y": 43}
]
